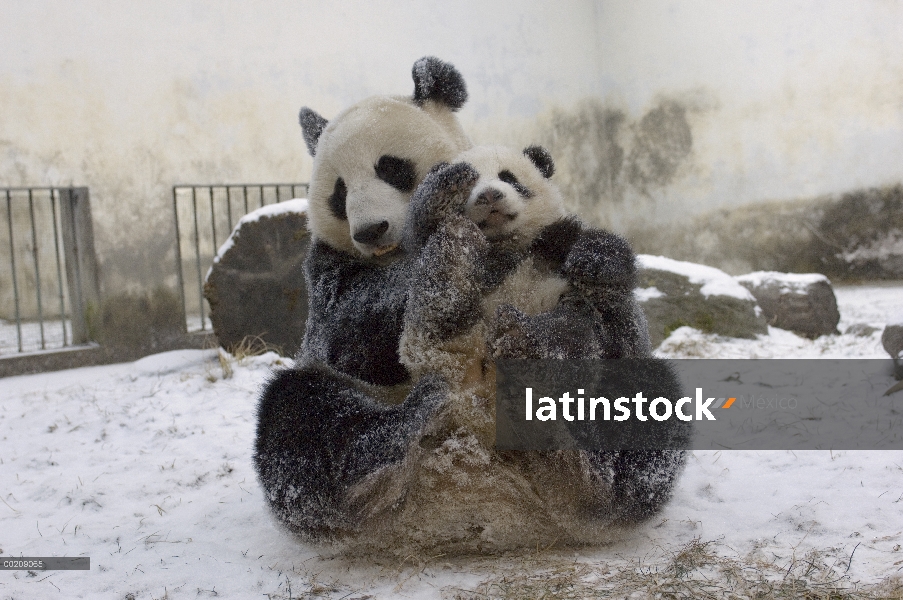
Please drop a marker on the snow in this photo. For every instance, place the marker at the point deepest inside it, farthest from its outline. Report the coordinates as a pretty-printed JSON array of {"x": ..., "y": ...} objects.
[
  {"x": 295, "y": 205},
  {"x": 882, "y": 249},
  {"x": 644, "y": 294},
  {"x": 146, "y": 468},
  {"x": 789, "y": 282},
  {"x": 31, "y": 335},
  {"x": 715, "y": 282}
]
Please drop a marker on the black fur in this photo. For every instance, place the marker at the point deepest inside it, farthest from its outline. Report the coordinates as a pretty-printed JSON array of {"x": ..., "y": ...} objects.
[
  {"x": 312, "y": 125},
  {"x": 554, "y": 242},
  {"x": 438, "y": 81},
  {"x": 509, "y": 178},
  {"x": 540, "y": 157},
  {"x": 337, "y": 201},
  {"x": 400, "y": 173},
  {"x": 355, "y": 314},
  {"x": 318, "y": 435}
]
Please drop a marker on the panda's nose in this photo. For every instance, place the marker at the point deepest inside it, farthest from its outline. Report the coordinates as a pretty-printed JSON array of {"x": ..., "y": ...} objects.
[
  {"x": 489, "y": 196},
  {"x": 369, "y": 234}
]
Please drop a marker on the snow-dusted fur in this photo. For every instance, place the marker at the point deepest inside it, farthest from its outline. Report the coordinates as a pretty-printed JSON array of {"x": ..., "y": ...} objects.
[{"x": 327, "y": 423}]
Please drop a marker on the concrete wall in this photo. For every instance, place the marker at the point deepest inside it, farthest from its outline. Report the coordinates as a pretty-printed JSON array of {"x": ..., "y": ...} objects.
[{"x": 654, "y": 110}]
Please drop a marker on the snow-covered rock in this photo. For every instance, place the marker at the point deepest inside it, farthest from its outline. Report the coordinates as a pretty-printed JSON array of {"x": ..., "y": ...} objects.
[
  {"x": 255, "y": 287},
  {"x": 676, "y": 293},
  {"x": 861, "y": 329},
  {"x": 800, "y": 302}
]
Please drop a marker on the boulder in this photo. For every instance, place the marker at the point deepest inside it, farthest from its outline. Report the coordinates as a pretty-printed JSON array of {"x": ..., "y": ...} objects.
[
  {"x": 892, "y": 340},
  {"x": 675, "y": 293},
  {"x": 800, "y": 302},
  {"x": 255, "y": 287}
]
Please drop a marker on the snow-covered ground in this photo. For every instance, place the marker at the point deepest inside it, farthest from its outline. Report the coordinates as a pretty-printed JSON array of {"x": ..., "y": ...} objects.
[{"x": 146, "y": 468}]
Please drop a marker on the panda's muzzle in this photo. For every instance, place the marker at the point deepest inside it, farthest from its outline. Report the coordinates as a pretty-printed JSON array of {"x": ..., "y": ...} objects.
[
  {"x": 372, "y": 234},
  {"x": 488, "y": 197},
  {"x": 490, "y": 210}
]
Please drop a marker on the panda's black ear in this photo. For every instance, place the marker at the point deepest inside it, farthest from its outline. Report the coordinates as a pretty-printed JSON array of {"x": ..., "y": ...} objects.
[
  {"x": 438, "y": 81},
  {"x": 312, "y": 125},
  {"x": 540, "y": 157}
]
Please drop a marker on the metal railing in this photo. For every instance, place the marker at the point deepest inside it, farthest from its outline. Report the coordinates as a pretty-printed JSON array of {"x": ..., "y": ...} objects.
[
  {"x": 211, "y": 212},
  {"x": 49, "y": 280}
]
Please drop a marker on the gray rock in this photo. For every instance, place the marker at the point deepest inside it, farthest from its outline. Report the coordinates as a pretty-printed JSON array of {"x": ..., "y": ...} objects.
[
  {"x": 255, "y": 287},
  {"x": 802, "y": 303},
  {"x": 860, "y": 330},
  {"x": 675, "y": 293}
]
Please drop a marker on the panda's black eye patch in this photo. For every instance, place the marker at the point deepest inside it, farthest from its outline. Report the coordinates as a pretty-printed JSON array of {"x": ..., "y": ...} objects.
[
  {"x": 400, "y": 173},
  {"x": 337, "y": 200},
  {"x": 509, "y": 178}
]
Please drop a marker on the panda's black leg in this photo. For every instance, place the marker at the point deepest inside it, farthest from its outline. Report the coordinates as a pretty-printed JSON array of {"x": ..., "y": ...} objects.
[
  {"x": 642, "y": 481},
  {"x": 642, "y": 477},
  {"x": 318, "y": 435}
]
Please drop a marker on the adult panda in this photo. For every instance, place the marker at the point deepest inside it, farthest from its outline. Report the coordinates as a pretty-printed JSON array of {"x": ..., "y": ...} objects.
[{"x": 347, "y": 408}]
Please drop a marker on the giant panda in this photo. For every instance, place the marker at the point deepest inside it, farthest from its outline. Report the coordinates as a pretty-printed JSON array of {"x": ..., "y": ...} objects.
[
  {"x": 504, "y": 272},
  {"x": 347, "y": 408}
]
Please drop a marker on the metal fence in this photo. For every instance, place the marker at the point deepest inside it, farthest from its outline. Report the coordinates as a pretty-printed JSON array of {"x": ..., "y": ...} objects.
[
  {"x": 204, "y": 218},
  {"x": 48, "y": 280}
]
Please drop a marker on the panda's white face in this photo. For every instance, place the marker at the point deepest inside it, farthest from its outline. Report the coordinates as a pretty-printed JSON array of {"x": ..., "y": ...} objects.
[
  {"x": 511, "y": 201},
  {"x": 368, "y": 162}
]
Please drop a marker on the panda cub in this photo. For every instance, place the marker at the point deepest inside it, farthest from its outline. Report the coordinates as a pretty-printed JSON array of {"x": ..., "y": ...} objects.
[{"x": 505, "y": 273}]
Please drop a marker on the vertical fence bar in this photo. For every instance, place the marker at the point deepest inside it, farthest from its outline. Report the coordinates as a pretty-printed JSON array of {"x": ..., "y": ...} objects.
[
  {"x": 12, "y": 259},
  {"x": 181, "y": 276},
  {"x": 59, "y": 268},
  {"x": 197, "y": 254},
  {"x": 212, "y": 219},
  {"x": 37, "y": 267},
  {"x": 229, "y": 208},
  {"x": 246, "y": 198}
]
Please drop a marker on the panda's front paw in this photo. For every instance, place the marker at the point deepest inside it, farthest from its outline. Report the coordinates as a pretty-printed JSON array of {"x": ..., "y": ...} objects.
[
  {"x": 555, "y": 241},
  {"x": 451, "y": 186},
  {"x": 511, "y": 338},
  {"x": 600, "y": 257},
  {"x": 441, "y": 196}
]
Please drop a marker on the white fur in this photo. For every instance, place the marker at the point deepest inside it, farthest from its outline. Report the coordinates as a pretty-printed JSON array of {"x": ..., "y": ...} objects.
[{"x": 351, "y": 145}]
